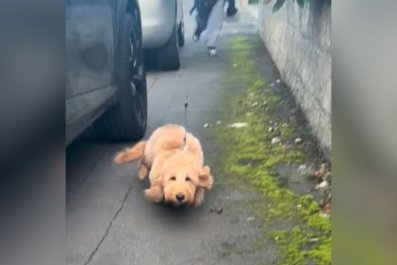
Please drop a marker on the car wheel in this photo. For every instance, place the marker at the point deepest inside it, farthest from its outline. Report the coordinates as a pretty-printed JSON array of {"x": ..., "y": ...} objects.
[
  {"x": 127, "y": 119},
  {"x": 168, "y": 55},
  {"x": 181, "y": 34}
]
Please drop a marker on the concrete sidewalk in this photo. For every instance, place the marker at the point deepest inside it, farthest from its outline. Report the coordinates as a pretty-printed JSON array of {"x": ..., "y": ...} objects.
[{"x": 251, "y": 9}]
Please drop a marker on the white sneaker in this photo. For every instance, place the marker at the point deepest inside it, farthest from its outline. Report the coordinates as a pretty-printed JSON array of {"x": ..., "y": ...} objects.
[{"x": 212, "y": 51}]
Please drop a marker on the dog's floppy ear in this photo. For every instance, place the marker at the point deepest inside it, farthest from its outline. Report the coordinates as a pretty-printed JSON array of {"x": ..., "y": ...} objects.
[{"x": 205, "y": 178}]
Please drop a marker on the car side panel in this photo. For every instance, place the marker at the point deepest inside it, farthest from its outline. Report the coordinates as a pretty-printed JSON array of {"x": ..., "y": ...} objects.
[
  {"x": 89, "y": 46},
  {"x": 81, "y": 111},
  {"x": 90, "y": 61},
  {"x": 158, "y": 21}
]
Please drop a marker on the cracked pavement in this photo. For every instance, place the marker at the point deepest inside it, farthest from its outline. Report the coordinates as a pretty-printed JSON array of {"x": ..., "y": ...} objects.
[{"x": 108, "y": 221}]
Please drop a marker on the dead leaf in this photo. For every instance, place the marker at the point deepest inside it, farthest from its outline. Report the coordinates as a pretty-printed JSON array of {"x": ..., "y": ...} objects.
[{"x": 317, "y": 174}]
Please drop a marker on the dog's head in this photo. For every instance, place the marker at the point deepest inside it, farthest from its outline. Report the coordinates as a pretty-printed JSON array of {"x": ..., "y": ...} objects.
[{"x": 181, "y": 178}]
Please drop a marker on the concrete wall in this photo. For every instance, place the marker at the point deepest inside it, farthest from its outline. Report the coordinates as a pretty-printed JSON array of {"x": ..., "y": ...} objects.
[{"x": 299, "y": 40}]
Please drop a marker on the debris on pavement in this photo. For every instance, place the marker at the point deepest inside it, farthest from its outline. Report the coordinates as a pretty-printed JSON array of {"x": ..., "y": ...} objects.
[
  {"x": 238, "y": 125},
  {"x": 324, "y": 215},
  {"x": 276, "y": 140},
  {"x": 288, "y": 146},
  {"x": 298, "y": 140},
  {"x": 250, "y": 219},
  {"x": 217, "y": 210},
  {"x": 322, "y": 185},
  {"x": 302, "y": 169},
  {"x": 317, "y": 174},
  {"x": 322, "y": 178}
]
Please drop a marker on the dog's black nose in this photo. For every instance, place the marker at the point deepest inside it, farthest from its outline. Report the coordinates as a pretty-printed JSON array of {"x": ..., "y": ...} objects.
[{"x": 180, "y": 197}]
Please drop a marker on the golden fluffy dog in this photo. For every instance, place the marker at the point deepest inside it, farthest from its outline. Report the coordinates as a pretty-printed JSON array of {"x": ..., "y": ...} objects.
[{"x": 175, "y": 168}]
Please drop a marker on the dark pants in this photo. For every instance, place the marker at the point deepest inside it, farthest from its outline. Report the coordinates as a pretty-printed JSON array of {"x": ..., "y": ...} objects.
[
  {"x": 231, "y": 3},
  {"x": 202, "y": 22},
  {"x": 201, "y": 25},
  {"x": 231, "y": 7}
]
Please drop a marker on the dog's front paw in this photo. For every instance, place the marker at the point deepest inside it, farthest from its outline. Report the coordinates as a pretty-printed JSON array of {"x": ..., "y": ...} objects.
[
  {"x": 199, "y": 197},
  {"x": 154, "y": 194}
]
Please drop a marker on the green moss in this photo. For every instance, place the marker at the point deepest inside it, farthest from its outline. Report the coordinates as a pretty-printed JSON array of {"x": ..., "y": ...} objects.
[{"x": 249, "y": 158}]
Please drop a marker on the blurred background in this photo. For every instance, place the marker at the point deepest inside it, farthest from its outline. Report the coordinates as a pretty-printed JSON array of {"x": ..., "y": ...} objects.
[
  {"x": 364, "y": 148},
  {"x": 32, "y": 132}
]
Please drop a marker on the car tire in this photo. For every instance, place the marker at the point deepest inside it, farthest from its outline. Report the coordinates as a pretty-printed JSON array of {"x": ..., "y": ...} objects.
[
  {"x": 181, "y": 34},
  {"x": 128, "y": 118},
  {"x": 168, "y": 55}
]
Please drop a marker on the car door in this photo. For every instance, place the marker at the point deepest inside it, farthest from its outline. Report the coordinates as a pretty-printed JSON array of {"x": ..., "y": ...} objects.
[{"x": 90, "y": 49}]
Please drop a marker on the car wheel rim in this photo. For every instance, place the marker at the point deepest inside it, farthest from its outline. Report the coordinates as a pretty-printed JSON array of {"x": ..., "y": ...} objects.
[
  {"x": 133, "y": 54},
  {"x": 137, "y": 76}
]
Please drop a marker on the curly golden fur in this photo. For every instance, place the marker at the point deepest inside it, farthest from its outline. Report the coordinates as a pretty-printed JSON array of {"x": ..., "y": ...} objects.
[{"x": 176, "y": 172}]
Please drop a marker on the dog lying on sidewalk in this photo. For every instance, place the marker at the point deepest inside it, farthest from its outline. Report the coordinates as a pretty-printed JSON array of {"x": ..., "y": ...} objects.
[{"x": 174, "y": 166}]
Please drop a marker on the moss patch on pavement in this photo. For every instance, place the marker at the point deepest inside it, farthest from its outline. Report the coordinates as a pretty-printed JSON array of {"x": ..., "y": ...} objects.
[{"x": 249, "y": 157}]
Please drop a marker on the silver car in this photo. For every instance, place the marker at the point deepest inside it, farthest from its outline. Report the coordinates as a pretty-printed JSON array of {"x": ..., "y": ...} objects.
[{"x": 163, "y": 30}]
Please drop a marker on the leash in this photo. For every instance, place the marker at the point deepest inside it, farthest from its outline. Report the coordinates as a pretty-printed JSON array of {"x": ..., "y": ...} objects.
[
  {"x": 193, "y": 8},
  {"x": 185, "y": 105}
]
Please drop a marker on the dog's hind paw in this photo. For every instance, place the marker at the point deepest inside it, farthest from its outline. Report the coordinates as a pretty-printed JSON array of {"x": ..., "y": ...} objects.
[{"x": 142, "y": 172}]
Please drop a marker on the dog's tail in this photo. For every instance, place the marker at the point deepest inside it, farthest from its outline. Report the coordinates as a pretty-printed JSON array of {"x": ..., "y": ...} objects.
[{"x": 130, "y": 154}]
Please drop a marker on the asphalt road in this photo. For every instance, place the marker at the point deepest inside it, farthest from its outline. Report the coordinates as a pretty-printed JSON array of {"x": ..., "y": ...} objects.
[{"x": 109, "y": 222}]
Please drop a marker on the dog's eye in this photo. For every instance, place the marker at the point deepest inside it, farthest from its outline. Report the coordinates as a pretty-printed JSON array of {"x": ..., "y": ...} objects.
[
  {"x": 173, "y": 178},
  {"x": 187, "y": 179}
]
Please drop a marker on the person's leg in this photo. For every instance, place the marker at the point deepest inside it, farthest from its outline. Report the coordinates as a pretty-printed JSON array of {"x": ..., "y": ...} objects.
[
  {"x": 231, "y": 8},
  {"x": 197, "y": 31},
  {"x": 201, "y": 24},
  {"x": 214, "y": 26}
]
